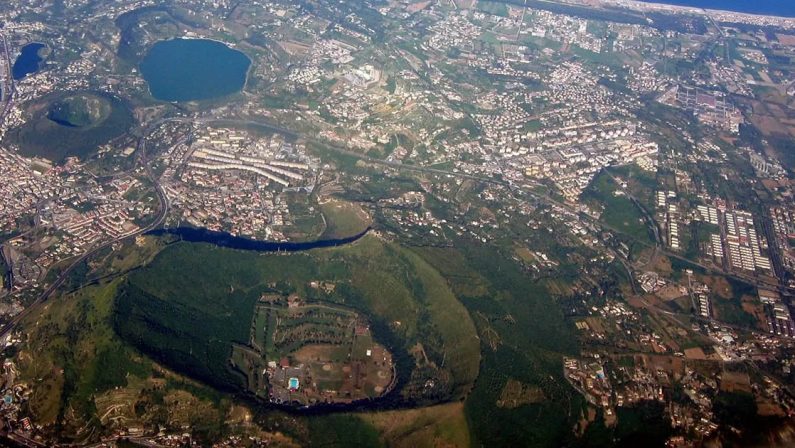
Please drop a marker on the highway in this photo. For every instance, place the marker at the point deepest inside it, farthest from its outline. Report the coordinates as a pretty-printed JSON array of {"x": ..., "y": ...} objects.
[
  {"x": 164, "y": 206},
  {"x": 64, "y": 275},
  {"x": 7, "y": 84},
  {"x": 656, "y": 246}
]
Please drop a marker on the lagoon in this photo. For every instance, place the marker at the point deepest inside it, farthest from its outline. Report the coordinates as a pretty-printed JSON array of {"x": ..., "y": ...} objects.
[{"x": 194, "y": 69}]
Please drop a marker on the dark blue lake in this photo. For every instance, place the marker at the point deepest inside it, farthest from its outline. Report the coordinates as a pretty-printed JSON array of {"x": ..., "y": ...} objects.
[
  {"x": 28, "y": 61},
  {"x": 194, "y": 69},
  {"x": 782, "y": 8}
]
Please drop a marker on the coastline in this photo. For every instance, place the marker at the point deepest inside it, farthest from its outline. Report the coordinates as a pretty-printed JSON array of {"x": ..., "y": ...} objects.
[{"x": 718, "y": 14}]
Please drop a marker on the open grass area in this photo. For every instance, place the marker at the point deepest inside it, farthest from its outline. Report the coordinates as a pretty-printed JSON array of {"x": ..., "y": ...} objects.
[
  {"x": 343, "y": 219},
  {"x": 619, "y": 211},
  {"x": 341, "y": 430},
  {"x": 307, "y": 223},
  {"x": 429, "y": 427},
  {"x": 494, "y": 8}
]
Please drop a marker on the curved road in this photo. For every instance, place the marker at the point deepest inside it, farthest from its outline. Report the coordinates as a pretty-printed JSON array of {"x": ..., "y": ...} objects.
[
  {"x": 164, "y": 205},
  {"x": 162, "y": 213},
  {"x": 657, "y": 246}
]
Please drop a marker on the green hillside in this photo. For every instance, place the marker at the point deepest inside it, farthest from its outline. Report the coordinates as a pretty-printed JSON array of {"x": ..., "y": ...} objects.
[{"x": 194, "y": 301}]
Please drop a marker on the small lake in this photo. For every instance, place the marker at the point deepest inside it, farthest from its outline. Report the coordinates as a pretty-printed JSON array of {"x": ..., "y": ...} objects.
[
  {"x": 781, "y": 8},
  {"x": 223, "y": 239},
  {"x": 28, "y": 61},
  {"x": 194, "y": 69}
]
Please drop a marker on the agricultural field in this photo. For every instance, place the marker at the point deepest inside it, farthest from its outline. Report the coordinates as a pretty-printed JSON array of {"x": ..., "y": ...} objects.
[{"x": 312, "y": 353}]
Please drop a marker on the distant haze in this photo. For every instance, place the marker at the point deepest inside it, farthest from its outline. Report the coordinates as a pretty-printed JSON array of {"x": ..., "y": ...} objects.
[{"x": 783, "y": 8}]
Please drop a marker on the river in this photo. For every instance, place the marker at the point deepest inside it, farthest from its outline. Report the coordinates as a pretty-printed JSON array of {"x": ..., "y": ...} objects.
[{"x": 223, "y": 239}]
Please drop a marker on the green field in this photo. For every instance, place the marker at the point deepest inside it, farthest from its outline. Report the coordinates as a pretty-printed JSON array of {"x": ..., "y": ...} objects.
[
  {"x": 494, "y": 8},
  {"x": 343, "y": 219},
  {"x": 283, "y": 328},
  {"x": 80, "y": 111},
  {"x": 619, "y": 211}
]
